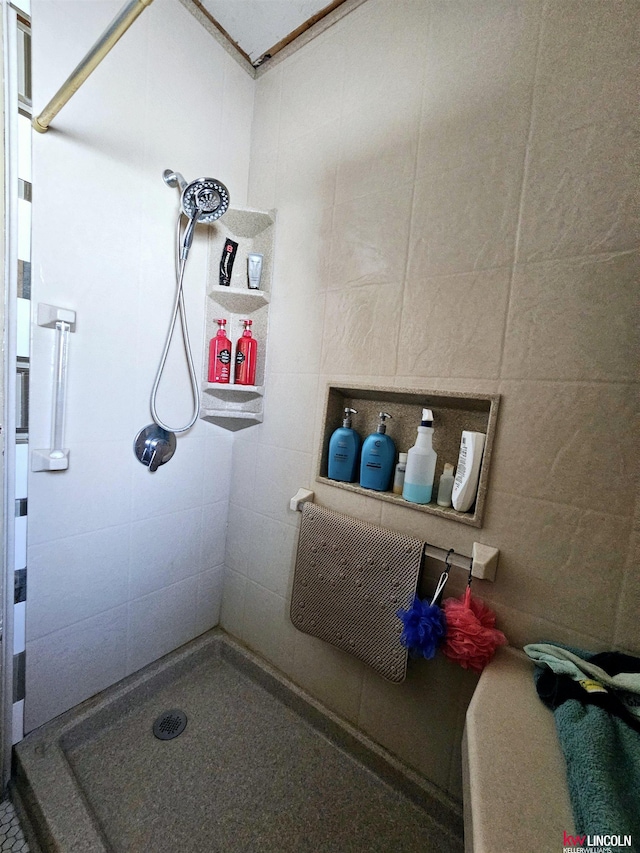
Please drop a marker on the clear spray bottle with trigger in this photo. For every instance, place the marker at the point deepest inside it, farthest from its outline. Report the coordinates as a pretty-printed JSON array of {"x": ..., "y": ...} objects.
[{"x": 421, "y": 464}]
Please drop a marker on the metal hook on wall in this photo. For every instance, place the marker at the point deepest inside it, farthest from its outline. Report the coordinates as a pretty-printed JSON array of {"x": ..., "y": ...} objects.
[{"x": 444, "y": 577}]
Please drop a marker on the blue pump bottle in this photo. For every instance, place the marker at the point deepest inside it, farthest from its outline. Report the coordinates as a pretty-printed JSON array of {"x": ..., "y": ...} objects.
[
  {"x": 344, "y": 450},
  {"x": 378, "y": 458}
]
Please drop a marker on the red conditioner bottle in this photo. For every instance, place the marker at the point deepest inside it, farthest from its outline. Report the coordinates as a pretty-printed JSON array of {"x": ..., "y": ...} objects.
[
  {"x": 246, "y": 356},
  {"x": 220, "y": 355}
]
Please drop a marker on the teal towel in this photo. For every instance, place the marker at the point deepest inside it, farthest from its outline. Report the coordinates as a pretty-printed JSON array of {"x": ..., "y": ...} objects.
[
  {"x": 602, "y": 753},
  {"x": 599, "y": 735}
]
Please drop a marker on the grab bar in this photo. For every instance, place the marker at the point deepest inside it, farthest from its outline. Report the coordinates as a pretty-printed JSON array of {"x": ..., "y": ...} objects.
[{"x": 63, "y": 321}]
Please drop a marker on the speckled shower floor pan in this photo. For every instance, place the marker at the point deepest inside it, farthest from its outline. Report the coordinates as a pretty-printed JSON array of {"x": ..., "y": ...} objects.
[{"x": 259, "y": 767}]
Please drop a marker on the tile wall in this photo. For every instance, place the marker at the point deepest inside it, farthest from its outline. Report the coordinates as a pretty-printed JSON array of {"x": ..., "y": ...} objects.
[
  {"x": 123, "y": 565},
  {"x": 455, "y": 191},
  {"x": 454, "y": 186}
]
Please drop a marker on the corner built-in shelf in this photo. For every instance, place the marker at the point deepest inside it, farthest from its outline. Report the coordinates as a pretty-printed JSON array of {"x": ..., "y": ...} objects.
[
  {"x": 453, "y": 412},
  {"x": 220, "y": 389},
  {"x": 232, "y": 406},
  {"x": 231, "y": 419},
  {"x": 237, "y": 300}
]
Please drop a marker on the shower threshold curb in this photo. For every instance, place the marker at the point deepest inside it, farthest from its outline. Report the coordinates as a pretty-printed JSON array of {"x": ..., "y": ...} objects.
[{"x": 60, "y": 816}]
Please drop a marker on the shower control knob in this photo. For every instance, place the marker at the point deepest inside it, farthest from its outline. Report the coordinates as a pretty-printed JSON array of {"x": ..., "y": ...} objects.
[{"x": 154, "y": 446}]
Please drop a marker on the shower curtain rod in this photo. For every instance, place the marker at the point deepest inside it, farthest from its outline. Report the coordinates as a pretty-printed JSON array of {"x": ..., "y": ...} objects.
[{"x": 120, "y": 24}]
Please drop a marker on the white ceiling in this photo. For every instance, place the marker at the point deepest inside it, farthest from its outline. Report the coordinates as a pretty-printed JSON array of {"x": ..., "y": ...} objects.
[{"x": 256, "y": 26}]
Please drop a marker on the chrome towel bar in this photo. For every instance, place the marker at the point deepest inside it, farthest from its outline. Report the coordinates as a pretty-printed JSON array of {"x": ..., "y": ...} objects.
[{"x": 483, "y": 561}]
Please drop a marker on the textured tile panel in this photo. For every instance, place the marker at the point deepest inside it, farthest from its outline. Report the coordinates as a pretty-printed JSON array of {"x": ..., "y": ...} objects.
[
  {"x": 570, "y": 443},
  {"x": 575, "y": 319},
  {"x": 453, "y": 325},
  {"x": 559, "y": 563},
  {"x": 361, "y": 330},
  {"x": 581, "y": 194}
]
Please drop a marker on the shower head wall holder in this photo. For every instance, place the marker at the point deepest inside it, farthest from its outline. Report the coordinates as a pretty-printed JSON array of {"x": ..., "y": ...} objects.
[{"x": 174, "y": 179}]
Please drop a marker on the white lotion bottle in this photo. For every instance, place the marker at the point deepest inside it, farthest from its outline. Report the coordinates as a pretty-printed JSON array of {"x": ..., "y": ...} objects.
[
  {"x": 398, "y": 480},
  {"x": 445, "y": 487},
  {"x": 421, "y": 464},
  {"x": 465, "y": 486}
]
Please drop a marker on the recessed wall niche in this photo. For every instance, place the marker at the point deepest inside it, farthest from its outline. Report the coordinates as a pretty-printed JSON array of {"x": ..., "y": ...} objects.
[{"x": 453, "y": 412}]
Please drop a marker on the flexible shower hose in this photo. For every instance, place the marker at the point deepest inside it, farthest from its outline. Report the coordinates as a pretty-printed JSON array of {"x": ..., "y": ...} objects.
[{"x": 178, "y": 307}]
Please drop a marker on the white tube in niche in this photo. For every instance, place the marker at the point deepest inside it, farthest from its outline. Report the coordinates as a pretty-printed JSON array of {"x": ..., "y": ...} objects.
[{"x": 465, "y": 485}]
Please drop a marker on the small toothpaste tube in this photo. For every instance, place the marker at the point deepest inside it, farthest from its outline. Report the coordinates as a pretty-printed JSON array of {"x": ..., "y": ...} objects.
[
  {"x": 254, "y": 270},
  {"x": 226, "y": 261}
]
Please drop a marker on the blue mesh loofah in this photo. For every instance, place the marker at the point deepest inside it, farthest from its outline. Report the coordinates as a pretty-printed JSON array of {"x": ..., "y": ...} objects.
[{"x": 424, "y": 628}]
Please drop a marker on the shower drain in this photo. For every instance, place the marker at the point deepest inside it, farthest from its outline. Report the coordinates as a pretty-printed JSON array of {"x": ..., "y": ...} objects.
[{"x": 170, "y": 724}]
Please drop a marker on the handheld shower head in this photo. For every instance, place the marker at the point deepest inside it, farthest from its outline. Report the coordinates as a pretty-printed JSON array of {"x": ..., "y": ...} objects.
[
  {"x": 206, "y": 196},
  {"x": 204, "y": 199}
]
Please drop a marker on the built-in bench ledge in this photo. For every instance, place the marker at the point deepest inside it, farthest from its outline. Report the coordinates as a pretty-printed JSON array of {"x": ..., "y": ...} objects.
[{"x": 515, "y": 787}]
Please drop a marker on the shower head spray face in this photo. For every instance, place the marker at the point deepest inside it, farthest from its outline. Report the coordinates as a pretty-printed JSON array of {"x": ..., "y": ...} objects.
[{"x": 205, "y": 198}]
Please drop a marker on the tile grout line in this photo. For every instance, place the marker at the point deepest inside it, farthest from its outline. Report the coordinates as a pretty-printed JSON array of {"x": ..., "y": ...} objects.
[
  {"x": 564, "y": 504},
  {"x": 525, "y": 171},
  {"x": 127, "y": 603},
  {"x": 412, "y": 205},
  {"x": 551, "y": 259},
  {"x": 325, "y": 288},
  {"x": 128, "y": 524},
  {"x": 626, "y": 574}
]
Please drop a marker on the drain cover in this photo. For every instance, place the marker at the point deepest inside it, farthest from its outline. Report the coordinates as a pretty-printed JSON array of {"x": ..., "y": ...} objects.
[{"x": 170, "y": 724}]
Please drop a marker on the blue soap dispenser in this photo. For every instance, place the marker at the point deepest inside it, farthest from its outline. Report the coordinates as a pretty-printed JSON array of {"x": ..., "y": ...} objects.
[
  {"x": 378, "y": 458},
  {"x": 344, "y": 450}
]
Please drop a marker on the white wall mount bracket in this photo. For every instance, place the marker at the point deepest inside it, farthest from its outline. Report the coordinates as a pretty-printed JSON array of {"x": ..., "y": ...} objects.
[
  {"x": 301, "y": 497},
  {"x": 484, "y": 561},
  {"x": 49, "y": 315},
  {"x": 46, "y": 460}
]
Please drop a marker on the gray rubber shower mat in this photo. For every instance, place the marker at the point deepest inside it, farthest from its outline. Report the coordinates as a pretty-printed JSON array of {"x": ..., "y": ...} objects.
[{"x": 259, "y": 767}]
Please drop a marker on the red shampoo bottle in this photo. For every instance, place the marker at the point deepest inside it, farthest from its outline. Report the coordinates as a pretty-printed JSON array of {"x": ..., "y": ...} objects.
[
  {"x": 246, "y": 356},
  {"x": 220, "y": 355}
]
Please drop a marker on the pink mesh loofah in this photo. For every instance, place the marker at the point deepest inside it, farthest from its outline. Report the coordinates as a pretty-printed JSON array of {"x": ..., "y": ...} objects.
[{"x": 472, "y": 637}]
